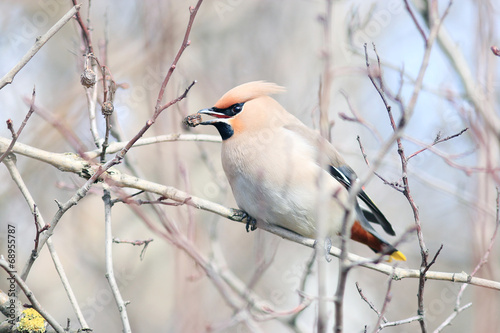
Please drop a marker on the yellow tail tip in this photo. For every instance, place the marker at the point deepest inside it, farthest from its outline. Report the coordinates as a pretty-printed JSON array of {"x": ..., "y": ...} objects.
[{"x": 398, "y": 256}]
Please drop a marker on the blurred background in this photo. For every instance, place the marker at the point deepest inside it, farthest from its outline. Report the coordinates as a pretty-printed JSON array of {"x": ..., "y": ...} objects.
[{"x": 233, "y": 42}]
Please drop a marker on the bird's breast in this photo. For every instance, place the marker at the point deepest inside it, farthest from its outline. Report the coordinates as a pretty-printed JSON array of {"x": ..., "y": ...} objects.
[{"x": 274, "y": 178}]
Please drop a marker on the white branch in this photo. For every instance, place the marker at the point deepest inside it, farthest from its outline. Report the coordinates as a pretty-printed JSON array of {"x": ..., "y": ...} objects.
[
  {"x": 75, "y": 164},
  {"x": 110, "y": 273}
]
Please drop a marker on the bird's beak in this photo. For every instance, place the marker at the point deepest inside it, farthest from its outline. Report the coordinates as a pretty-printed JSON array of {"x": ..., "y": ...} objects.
[{"x": 212, "y": 112}]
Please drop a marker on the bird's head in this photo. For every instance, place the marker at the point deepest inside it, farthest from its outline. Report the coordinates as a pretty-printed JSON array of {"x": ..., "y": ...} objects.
[{"x": 243, "y": 108}]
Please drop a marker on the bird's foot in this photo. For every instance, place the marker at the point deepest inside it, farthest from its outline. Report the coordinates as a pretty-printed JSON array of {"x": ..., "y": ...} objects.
[
  {"x": 241, "y": 215},
  {"x": 251, "y": 223}
]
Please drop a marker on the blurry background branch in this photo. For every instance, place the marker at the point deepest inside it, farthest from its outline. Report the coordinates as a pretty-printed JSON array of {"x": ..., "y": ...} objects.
[{"x": 40, "y": 41}]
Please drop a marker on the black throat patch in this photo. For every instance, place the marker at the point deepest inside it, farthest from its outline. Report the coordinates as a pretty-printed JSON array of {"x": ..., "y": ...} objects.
[{"x": 225, "y": 130}]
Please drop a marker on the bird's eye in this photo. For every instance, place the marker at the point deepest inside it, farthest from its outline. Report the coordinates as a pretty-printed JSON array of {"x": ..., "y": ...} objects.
[{"x": 237, "y": 108}]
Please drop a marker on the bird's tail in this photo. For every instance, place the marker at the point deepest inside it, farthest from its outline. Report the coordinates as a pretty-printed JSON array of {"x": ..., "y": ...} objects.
[
  {"x": 398, "y": 255},
  {"x": 374, "y": 242}
]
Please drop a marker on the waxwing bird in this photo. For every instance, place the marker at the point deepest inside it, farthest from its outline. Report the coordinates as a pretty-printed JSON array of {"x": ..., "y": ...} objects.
[{"x": 278, "y": 168}]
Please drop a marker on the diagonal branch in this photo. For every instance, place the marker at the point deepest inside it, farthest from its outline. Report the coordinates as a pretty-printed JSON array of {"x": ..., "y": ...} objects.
[
  {"x": 185, "y": 43},
  {"x": 77, "y": 165}
]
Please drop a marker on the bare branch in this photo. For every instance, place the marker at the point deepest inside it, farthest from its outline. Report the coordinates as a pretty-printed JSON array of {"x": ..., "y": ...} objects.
[
  {"x": 370, "y": 304},
  {"x": 143, "y": 243},
  {"x": 149, "y": 123},
  {"x": 15, "y": 136},
  {"x": 75, "y": 164},
  {"x": 85, "y": 31},
  {"x": 387, "y": 300},
  {"x": 451, "y": 317},
  {"x": 398, "y": 187},
  {"x": 39, "y": 229},
  {"x": 401, "y": 322},
  {"x": 414, "y": 18},
  {"x": 437, "y": 141},
  {"x": 185, "y": 43},
  {"x": 357, "y": 117},
  {"x": 110, "y": 275}
]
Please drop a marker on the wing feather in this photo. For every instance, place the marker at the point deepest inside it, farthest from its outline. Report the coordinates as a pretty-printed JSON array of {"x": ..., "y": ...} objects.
[{"x": 338, "y": 168}]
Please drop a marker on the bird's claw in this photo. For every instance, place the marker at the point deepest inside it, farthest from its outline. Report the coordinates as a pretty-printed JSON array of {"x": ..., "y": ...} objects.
[
  {"x": 251, "y": 223},
  {"x": 241, "y": 215}
]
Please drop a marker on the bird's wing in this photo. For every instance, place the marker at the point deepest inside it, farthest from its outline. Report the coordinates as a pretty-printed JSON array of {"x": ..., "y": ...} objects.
[{"x": 343, "y": 173}]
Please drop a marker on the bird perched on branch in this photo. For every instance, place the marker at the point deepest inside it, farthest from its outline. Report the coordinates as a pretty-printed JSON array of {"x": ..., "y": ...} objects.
[{"x": 282, "y": 172}]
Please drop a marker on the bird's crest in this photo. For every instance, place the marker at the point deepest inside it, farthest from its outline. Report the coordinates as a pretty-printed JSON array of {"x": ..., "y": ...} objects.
[{"x": 246, "y": 92}]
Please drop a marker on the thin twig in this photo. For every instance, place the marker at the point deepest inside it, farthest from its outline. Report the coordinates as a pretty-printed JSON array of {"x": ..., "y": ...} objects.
[
  {"x": 438, "y": 140},
  {"x": 185, "y": 43},
  {"x": 307, "y": 272},
  {"x": 401, "y": 322},
  {"x": 344, "y": 266},
  {"x": 370, "y": 304},
  {"x": 452, "y": 316},
  {"x": 121, "y": 154},
  {"x": 85, "y": 31},
  {"x": 387, "y": 300},
  {"x": 414, "y": 18},
  {"x": 395, "y": 185},
  {"x": 449, "y": 159},
  {"x": 357, "y": 117},
  {"x": 143, "y": 243},
  {"x": 433, "y": 261},
  {"x": 110, "y": 275},
  {"x": 39, "y": 228},
  {"x": 15, "y": 136}
]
